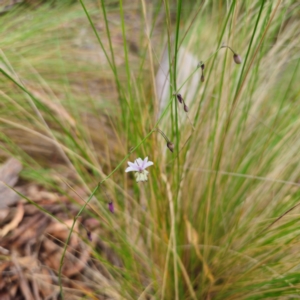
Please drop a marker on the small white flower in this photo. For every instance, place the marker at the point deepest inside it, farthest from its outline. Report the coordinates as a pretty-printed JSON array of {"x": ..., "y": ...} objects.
[{"x": 139, "y": 166}]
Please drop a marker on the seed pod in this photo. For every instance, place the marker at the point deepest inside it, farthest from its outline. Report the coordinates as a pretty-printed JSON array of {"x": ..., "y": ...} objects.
[
  {"x": 202, "y": 66},
  {"x": 186, "y": 109},
  {"x": 237, "y": 58},
  {"x": 180, "y": 99},
  {"x": 170, "y": 146},
  {"x": 202, "y": 78}
]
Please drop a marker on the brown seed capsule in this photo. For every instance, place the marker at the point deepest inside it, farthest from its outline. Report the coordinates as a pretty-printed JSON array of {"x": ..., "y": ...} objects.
[
  {"x": 180, "y": 99},
  {"x": 186, "y": 109},
  {"x": 170, "y": 146},
  {"x": 202, "y": 78},
  {"x": 237, "y": 58}
]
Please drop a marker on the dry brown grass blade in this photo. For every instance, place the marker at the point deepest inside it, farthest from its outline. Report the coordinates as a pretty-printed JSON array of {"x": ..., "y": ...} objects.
[
  {"x": 193, "y": 238},
  {"x": 56, "y": 107},
  {"x": 277, "y": 219}
]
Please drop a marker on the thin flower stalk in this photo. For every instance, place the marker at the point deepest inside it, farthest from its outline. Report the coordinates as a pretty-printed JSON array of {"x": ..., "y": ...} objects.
[{"x": 170, "y": 145}]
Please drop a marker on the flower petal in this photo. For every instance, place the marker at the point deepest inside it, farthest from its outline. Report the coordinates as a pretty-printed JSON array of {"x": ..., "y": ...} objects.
[
  {"x": 145, "y": 159},
  {"x": 130, "y": 169},
  {"x": 139, "y": 162},
  {"x": 141, "y": 176},
  {"x": 134, "y": 165},
  {"x": 144, "y": 162},
  {"x": 148, "y": 164}
]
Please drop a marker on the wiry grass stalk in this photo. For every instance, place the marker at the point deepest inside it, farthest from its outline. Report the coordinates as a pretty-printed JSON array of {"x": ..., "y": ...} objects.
[
  {"x": 68, "y": 240},
  {"x": 96, "y": 189}
]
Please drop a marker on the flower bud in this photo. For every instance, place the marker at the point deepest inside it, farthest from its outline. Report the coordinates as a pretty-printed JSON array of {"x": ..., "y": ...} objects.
[
  {"x": 200, "y": 63},
  {"x": 186, "y": 109},
  {"x": 202, "y": 66},
  {"x": 202, "y": 78},
  {"x": 180, "y": 99},
  {"x": 111, "y": 207},
  {"x": 170, "y": 146},
  {"x": 89, "y": 235},
  {"x": 237, "y": 58}
]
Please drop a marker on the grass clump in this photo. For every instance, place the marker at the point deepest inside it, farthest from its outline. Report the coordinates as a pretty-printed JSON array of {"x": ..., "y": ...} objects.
[{"x": 82, "y": 95}]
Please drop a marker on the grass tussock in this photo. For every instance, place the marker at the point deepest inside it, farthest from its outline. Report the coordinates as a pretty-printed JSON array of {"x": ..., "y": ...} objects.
[{"x": 86, "y": 87}]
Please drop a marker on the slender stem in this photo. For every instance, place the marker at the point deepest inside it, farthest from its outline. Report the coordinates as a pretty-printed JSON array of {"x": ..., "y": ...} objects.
[
  {"x": 228, "y": 48},
  {"x": 289, "y": 210},
  {"x": 109, "y": 38},
  {"x": 162, "y": 133},
  {"x": 269, "y": 226},
  {"x": 179, "y": 2},
  {"x": 68, "y": 240},
  {"x": 113, "y": 65},
  {"x": 97, "y": 35},
  {"x": 125, "y": 45},
  {"x": 192, "y": 22}
]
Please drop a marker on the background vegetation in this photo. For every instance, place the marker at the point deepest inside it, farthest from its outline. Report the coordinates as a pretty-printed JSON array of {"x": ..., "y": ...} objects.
[{"x": 81, "y": 95}]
